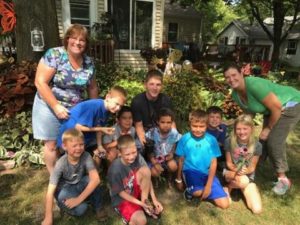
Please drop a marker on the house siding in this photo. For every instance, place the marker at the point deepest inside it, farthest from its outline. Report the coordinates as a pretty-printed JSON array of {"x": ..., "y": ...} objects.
[
  {"x": 232, "y": 32},
  {"x": 292, "y": 60},
  {"x": 127, "y": 57},
  {"x": 190, "y": 33},
  {"x": 59, "y": 18}
]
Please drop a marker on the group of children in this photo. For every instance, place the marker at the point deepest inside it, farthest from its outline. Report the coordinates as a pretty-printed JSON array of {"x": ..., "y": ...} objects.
[{"x": 191, "y": 159}]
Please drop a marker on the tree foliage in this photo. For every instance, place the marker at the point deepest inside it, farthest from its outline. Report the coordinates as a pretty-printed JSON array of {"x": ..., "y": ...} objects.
[
  {"x": 279, "y": 9},
  {"x": 216, "y": 15}
]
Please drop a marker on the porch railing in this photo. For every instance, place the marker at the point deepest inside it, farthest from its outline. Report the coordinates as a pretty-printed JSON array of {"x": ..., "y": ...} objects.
[{"x": 102, "y": 51}]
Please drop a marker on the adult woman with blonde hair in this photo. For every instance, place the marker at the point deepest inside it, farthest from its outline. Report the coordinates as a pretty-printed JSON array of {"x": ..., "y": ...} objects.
[
  {"x": 63, "y": 75},
  {"x": 242, "y": 155},
  {"x": 281, "y": 109}
]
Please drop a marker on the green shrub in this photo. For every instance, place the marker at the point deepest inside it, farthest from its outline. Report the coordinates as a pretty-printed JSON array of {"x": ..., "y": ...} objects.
[
  {"x": 108, "y": 75},
  {"x": 16, "y": 135}
]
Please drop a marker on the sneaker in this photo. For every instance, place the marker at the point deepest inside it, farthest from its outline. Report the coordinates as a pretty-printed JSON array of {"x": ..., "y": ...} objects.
[
  {"x": 101, "y": 215},
  {"x": 187, "y": 195},
  {"x": 282, "y": 186}
]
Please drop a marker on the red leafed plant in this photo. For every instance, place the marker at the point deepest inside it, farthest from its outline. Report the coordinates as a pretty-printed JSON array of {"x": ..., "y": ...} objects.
[{"x": 17, "y": 88}]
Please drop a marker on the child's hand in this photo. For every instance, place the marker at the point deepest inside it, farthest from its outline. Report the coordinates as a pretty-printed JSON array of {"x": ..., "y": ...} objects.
[
  {"x": 72, "y": 202},
  {"x": 158, "y": 167},
  {"x": 169, "y": 156},
  {"x": 229, "y": 175},
  {"x": 108, "y": 130},
  {"x": 206, "y": 192},
  {"x": 242, "y": 171},
  {"x": 158, "y": 207},
  {"x": 100, "y": 152}
]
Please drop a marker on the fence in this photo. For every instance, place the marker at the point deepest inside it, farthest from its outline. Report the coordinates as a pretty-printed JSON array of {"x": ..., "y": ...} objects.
[{"x": 102, "y": 51}]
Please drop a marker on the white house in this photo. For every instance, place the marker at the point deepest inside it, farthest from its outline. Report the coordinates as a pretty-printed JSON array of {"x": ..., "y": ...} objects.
[
  {"x": 137, "y": 24},
  {"x": 253, "y": 37}
]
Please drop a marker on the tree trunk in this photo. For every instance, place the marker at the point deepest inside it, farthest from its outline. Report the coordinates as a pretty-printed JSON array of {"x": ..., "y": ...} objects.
[
  {"x": 43, "y": 11},
  {"x": 279, "y": 13}
]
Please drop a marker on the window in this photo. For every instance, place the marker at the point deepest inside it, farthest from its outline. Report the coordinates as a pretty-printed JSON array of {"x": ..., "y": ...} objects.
[
  {"x": 80, "y": 12},
  {"x": 172, "y": 32},
  {"x": 243, "y": 41},
  {"x": 133, "y": 21},
  {"x": 292, "y": 47},
  {"x": 225, "y": 40},
  {"x": 237, "y": 40}
]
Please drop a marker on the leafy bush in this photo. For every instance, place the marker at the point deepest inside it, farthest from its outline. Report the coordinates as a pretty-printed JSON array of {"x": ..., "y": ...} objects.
[
  {"x": 108, "y": 75},
  {"x": 16, "y": 135},
  {"x": 17, "y": 88},
  {"x": 132, "y": 87}
]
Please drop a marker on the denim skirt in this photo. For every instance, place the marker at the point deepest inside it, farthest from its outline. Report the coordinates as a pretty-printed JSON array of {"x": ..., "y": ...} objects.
[{"x": 45, "y": 124}]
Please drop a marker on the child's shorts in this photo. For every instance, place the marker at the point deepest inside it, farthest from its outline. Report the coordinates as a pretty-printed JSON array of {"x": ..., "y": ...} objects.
[
  {"x": 196, "y": 181},
  {"x": 126, "y": 209}
]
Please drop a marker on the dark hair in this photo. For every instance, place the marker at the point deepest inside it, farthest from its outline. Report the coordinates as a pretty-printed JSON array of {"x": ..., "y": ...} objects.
[
  {"x": 125, "y": 141},
  {"x": 198, "y": 115},
  {"x": 214, "y": 109},
  {"x": 124, "y": 109},
  {"x": 231, "y": 66},
  {"x": 154, "y": 73},
  {"x": 165, "y": 112}
]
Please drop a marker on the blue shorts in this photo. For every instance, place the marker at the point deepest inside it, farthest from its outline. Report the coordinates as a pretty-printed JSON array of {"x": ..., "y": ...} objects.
[
  {"x": 45, "y": 124},
  {"x": 196, "y": 181}
]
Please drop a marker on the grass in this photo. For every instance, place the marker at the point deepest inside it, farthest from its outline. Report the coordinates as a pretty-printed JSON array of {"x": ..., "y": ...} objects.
[{"x": 22, "y": 200}]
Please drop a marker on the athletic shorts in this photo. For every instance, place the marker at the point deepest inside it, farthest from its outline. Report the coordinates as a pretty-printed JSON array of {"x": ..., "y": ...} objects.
[
  {"x": 126, "y": 209},
  {"x": 196, "y": 181}
]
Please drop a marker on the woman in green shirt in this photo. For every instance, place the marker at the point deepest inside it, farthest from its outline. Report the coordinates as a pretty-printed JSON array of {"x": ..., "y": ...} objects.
[{"x": 278, "y": 104}]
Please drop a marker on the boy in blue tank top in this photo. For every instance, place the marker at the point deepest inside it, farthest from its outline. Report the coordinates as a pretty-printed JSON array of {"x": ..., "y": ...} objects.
[{"x": 198, "y": 152}]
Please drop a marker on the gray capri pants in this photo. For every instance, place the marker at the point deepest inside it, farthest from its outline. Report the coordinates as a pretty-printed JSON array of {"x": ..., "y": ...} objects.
[{"x": 276, "y": 142}]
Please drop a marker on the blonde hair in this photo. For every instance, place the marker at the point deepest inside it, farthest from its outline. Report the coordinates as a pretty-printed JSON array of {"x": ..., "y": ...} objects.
[
  {"x": 70, "y": 134},
  {"x": 76, "y": 30},
  {"x": 246, "y": 120},
  {"x": 125, "y": 141},
  {"x": 198, "y": 115}
]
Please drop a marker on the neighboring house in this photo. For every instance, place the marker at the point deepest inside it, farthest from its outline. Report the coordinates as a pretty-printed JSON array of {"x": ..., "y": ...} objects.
[
  {"x": 137, "y": 24},
  {"x": 290, "y": 48},
  {"x": 253, "y": 39}
]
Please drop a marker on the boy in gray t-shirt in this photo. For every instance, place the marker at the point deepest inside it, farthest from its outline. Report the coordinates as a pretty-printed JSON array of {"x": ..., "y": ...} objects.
[
  {"x": 73, "y": 180},
  {"x": 130, "y": 184}
]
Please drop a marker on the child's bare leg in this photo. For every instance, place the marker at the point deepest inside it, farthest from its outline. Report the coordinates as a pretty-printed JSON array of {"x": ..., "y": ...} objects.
[
  {"x": 172, "y": 166},
  {"x": 155, "y": 172},
  {"x": 138, "y": 218},
  {"x": 253, "y": 198},
  {"x": 144, "y": 181},
  {"x": 239, "y": 182},
  {"x": 222, "y": 203},
  {"x": 50, "y": 154}
]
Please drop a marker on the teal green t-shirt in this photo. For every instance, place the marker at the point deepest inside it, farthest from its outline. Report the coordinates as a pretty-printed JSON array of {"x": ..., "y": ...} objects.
[{"x": 258, "y": 88}]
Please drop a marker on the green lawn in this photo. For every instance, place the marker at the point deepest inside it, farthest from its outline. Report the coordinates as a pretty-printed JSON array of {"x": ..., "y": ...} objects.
[{"x": 22, "y": 200}]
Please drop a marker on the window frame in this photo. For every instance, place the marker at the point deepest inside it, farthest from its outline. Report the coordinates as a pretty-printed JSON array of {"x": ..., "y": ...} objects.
[
  {"x": 292, "y": 50},
  {"x": 66, "y": 13}
]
